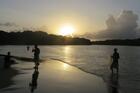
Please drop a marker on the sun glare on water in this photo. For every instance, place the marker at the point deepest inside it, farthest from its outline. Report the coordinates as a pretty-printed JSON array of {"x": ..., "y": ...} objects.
[{"x": 67, "y": 30}]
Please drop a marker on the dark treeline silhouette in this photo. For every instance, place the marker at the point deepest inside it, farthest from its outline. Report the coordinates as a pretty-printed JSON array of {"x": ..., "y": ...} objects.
[
  {"x": 129, "y": 42},
  {"x": 40, "y": 38}
]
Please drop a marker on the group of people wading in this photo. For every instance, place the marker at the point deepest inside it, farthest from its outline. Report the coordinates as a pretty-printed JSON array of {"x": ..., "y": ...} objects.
[
  {"x": 115, "y": 57},
  {"x": 114, "y": 65}
]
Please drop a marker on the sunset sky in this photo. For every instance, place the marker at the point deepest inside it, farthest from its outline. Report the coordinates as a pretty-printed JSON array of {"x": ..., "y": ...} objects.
[{"x": 85, "y": 16}]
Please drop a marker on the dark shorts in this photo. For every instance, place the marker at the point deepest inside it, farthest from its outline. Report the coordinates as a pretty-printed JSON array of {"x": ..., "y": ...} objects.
[
  {"x": 114, "y": 65},
  {"x": 36, "y": 58}
]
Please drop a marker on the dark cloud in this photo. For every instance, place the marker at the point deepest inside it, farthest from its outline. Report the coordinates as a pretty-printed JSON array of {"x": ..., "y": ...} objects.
[
  {"x": 123, "y": 27},
  {"x": 7, "y": 24}
]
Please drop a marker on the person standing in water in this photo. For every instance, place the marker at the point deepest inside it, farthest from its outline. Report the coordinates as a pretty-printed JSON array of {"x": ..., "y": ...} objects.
[
  {"x": 28, "y": 48},
  {"x": 115, "y": 57},
  {"x": 36, "y": 51},
  {"x": 7, "y": 60}
]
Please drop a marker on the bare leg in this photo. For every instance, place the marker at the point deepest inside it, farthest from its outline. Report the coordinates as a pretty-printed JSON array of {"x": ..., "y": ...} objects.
[{"x": 117, "y": 70}]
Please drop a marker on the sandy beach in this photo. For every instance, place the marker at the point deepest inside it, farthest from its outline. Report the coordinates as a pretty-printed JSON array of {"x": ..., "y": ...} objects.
[{"x": 53, "y": 77}]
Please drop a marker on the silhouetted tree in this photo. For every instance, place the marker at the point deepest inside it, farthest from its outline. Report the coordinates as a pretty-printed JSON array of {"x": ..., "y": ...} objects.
[{"x": 38, "y": 37}]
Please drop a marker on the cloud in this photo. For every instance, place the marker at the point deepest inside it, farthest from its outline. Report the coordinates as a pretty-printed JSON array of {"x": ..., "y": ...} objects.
[
  {"x": 122, "y": 27},
  {"x": 8, "y": 24}
]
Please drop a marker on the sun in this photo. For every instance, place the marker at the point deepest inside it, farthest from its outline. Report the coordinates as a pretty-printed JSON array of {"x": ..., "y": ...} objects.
[{"x": 67, "y": 30}]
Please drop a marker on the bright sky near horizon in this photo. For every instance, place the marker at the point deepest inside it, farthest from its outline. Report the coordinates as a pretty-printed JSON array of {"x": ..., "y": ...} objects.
[{"x": 86, "y": 16}]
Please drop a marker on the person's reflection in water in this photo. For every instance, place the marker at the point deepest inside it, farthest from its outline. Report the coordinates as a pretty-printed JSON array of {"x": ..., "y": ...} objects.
[
  {"x": 114, "y": 83},
  {"x": 33, "y": 83}
]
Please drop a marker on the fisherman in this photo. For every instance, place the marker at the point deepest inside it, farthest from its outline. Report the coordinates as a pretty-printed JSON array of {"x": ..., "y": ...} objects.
[
  {"x": 115, "y": 57},
  {"x": 36, "y": 51},
  {"x": 7, "y": 60}
]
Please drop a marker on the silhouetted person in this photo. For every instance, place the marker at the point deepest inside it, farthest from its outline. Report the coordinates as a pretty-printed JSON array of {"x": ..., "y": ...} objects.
[
  {"x": 7, "y": 60},
  {"x": 115, "y": 58},
  {"x": 28, "y": 48},
  {"x": 36, "y": 51},
  {"x": 33, "y": 83}
]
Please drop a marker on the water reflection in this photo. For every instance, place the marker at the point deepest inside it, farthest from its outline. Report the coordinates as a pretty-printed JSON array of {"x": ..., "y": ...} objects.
[
  {"x": 33, "y": 83},
  {"x": 65, "y": 66},
  {"x": 67, "y": 50},
  {"x": 67, "y": 53},
  {"x": 114, "y": 84}
]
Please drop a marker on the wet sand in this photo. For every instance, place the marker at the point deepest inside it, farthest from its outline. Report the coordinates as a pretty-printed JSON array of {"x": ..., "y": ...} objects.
[{"x": 53, "y": 77}]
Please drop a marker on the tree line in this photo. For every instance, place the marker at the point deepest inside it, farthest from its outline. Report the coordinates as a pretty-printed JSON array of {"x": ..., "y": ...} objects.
[
  {"x": 40, "y": 38},
  {"x": 128, "y": 42}
]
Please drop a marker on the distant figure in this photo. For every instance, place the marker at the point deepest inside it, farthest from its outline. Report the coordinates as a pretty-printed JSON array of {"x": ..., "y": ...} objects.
[
  {"x": 33, "y": 83},
  {"x": 7, "y": 60},
  {"x": 28, "y": 48},
  {"x": 36, "y": 51},
  {"x": 115, "y": 57}
]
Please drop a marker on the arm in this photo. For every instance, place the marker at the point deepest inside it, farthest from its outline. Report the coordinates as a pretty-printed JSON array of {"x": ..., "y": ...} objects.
[{"x": 118, "y": 56}]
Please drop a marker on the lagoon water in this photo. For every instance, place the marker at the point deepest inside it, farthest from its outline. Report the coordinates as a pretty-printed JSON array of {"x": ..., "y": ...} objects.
[{"x": 93, "y": 59}]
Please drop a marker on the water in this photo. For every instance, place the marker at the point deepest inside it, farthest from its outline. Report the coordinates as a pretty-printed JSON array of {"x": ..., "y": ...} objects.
[{"x": 93, "y": 59}]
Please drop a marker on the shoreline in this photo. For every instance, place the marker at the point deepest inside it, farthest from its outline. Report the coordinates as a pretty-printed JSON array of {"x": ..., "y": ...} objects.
[
  {"x": 56, "y": 71},
  {"x": 108, "y": 83},
  {"x": 111, "y": 80},
  {"x": 78, "y": 68}
]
